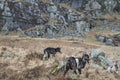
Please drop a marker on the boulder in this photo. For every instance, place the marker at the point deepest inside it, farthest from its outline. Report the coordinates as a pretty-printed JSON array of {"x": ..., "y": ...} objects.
[
  {"x": 101, "y": 38},
  {"x": 113, "y": 40},
  {"x": 110, "y": 5},
  {"x": 52, "y": 8},
  {"x": 96, "y": 5},
  {"x": 6, "y": 11},
  {"x": 99, "y": 58},
  {"x": 109, "y": 41},
  {"x": 97, "y": 52},
  {"x": 8, "y": 24},
  {"x": 1, "y": 5},
  {"x": 76, "y": 4}
]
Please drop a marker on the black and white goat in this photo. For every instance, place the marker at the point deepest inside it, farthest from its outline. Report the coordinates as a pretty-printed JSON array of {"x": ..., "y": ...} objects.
[
  {"x": 76, "y": 63},
  {"x": 49, "y": 51}
]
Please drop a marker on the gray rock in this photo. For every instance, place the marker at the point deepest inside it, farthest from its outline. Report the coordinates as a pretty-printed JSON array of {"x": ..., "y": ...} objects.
[
  {"x": 98, "y": 56},
  {"x": 78, "y": 27},
  {"x": 70, "y": 15},
  {"x": 87, "y": 28},
  {"x": 81, "y": 27},
  {"x": 6, "y": 11},
  {"x": 20, "y": 30},
  {"x": 109, "y": 42},
  {"x": 101, "y": 38},
  {"x": 93, "y": 4},
  {"x": 76, "y": 4},
  {"x": 8, "y": 24},
  {"x": 2, "y": 5},
  {"x": 97, "y": 52},
  {"x": 56, "y": 1},
  {"x": 105, "y": 62},
  {"x": 62, "y": 19},
  {"x": 110, "y": 5},
  {"x": 31, "y": 1},
  {"x": 96, "y": 5},
  {"x": 87, "y": 7},
  {"x": 114, "y": 27},
  {"x": 52, "y": 8},
  {"x": 29, "y": 33},
  {"x": 26, "y": 14},
  {"x": 52, "y": 15}
]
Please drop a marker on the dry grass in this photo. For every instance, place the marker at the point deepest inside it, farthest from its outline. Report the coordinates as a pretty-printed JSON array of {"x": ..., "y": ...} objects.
[
  {"x": 112, "y": 18},
  {"x": 67, "y": 6},
  {"x": 20, "y": 58},
  {"x": 30, "y": 74},
  {"x": 45, "y": 1}
]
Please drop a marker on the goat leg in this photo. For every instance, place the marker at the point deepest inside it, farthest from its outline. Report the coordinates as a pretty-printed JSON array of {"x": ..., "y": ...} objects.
[
  {"x": 79, "y": 70},
  {"x": 75, "y": 71},
  {"x": 66, "y": 71}
]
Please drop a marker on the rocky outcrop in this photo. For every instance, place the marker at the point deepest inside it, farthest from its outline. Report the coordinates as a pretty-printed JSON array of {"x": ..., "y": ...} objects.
[
  {"x": 57, "y": 17},
  {"x": 99, "y": 58},
  {"x": 113, "y": 40}
]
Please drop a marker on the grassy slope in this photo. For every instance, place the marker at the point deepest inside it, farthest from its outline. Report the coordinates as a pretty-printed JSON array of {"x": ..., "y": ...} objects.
[{"x": 32, "y": 68}]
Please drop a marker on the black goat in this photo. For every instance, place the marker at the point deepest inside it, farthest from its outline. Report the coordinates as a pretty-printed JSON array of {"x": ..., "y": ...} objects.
[
  {"x": 49, "y": 51},
  {"x": 76, "y": 63}
]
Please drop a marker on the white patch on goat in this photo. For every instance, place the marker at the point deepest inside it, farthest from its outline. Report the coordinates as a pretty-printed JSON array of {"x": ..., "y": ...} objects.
[
  {"x": 77, "y": 61},
  {"x": 113, "y": 68},
  {"x": 45, "y": 55}
]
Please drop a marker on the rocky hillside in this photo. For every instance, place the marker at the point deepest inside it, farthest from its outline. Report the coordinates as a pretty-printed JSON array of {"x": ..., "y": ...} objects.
[
  {"x": 75, "y": 26},
  {"x": 55, "y": 18}
]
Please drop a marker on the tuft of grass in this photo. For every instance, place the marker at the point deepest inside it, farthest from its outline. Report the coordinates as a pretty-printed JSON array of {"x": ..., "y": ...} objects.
[
  {"x": 96, "y": 71},
  {"x": 30, "y": 74},
  {"x": 87, "y": 74},
  {"x": 114, "y": 18},
  {"x": 3, "y": 48},
  {"x": 33, "y": 56}
]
